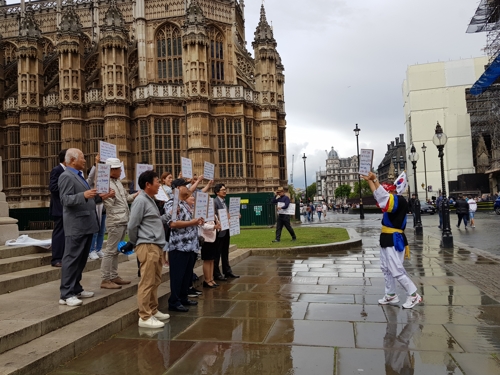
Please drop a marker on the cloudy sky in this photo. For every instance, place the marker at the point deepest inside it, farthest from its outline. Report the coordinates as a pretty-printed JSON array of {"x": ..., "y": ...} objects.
[{"x": 345, "y": 62}]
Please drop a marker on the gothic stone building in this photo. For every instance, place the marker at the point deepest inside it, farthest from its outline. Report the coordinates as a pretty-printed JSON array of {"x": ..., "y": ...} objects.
[{"x": 160, "y": 79}]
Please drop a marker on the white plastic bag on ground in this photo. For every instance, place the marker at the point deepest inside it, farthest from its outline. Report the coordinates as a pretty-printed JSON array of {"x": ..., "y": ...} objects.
[{"x": 25, "y": 240}]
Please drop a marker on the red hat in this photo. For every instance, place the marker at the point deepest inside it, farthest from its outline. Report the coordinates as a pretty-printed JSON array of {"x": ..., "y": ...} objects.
[{"x": 389, "y": 187}]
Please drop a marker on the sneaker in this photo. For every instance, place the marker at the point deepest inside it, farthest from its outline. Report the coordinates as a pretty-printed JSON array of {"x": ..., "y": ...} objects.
[
  {"x": 199, "y": 292},
  {"x": 161, "y": 316},
  {"x": 473, "y": 226},
  {"x": 151, "y": 323},
  {"x": 85, "y": 294},
  {"x": 192, "y": 293},
  {"x": 93, "y": 255},
  {"x": 71, "y": 301},
  {"x": 100, "y": 254},
  {"x": 412, "y": 301},
  {"x": 389, "y": 300}
]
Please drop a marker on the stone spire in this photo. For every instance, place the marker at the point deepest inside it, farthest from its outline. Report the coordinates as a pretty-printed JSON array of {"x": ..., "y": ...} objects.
[
  {"x": 264, "y": 32},
  {"x": 113, "y": 19},
  {"x": 194, "y": 29},
  {"x": 70, "y": 22},
  {"x": 194, "y": 15},
  {"x": 28, "y": 26}
]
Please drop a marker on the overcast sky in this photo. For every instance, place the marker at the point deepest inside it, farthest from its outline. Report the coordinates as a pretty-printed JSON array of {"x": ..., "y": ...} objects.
[{"x": 345, "y": 62}]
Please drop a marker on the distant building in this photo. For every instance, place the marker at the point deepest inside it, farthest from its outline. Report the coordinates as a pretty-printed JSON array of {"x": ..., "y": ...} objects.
[
  {"x": 339, "y": 171},
  {"x": 394, "y": 161}
]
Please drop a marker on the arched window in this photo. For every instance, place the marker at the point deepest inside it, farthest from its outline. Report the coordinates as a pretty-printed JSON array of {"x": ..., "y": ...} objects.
[
  {"x": 216, "y": 56},
  {"x": 169, "y": 54}
]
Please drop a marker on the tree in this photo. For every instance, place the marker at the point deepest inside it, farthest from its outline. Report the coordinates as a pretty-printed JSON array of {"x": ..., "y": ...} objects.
[
  {"x": 293, "y": 194},
  {"x": 311, "y": 190},
  {"x": 365, "y": 190},
  {"x": 343, "y": 191}
]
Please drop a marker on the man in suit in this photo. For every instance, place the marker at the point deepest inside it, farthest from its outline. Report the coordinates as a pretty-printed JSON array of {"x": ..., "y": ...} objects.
[
  {"x": 80, "y": 223},
  {"x": 223, "y": 239},
  {"x": 56, "y": 211}
]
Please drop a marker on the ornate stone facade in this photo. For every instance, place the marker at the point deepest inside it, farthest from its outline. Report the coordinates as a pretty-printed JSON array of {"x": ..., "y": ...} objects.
[{"x": 160, "y": 79}]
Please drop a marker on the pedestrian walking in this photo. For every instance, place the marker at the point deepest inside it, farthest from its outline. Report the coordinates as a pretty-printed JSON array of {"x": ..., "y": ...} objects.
[
  {"x": 472, "y": 210},
  {"x": 325, "y": 208},
  {"x": 462, "y": 210},
  {"x": 282, "y": 202}
]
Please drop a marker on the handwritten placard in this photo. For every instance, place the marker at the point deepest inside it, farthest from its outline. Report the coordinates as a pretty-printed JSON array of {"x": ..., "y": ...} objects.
[
  {"x": 201, "y": 205},
  {"x": 365, "y": 161},
  {"x": 103, "y": 178},
  {"x": 209, "y": 171},
  {"x": 234, "y": 226},
  {"x": 223, "y": 219},
  {"x": 122, "y": 173},
  {"x": 140, "y": 169},
  {"x": 186, "y": 168},
  {"x": 106, "y": 151},
  {"x": 211, "y": 210},
  {"x": 290, "y": 210},
  {"x": 234, "y": 206},
  {"x": 162, "y": 196},
  {"x": 175, "y": 205}
]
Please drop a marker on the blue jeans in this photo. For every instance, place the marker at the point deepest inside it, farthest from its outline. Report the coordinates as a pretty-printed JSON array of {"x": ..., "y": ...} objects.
[{"x": 98, "y": 238}]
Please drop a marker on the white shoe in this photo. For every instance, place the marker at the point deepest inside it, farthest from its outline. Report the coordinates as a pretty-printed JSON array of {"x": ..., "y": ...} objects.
[
  {"x": 93, "y": 255},
  {"x": 100, "y": 254},
  {"x": 71, "y": 301},
  {"x": 151, "y": 323},
  {"x": 412, "y": 301},
  {"x": 389, "y": 300},
  {"x": 161, "y": 316},
  {"x": 85, "y": 294}
]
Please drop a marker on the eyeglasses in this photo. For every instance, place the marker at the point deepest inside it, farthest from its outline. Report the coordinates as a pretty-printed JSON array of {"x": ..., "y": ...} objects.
[{"x": 223, "y": 189}]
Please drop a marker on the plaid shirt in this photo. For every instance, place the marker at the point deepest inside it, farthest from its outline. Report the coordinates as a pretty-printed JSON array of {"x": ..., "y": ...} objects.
[{"x": 182, "y": 239}]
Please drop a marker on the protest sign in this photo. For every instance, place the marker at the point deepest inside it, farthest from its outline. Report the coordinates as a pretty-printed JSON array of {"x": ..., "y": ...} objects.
[
  {"x": 139, "y": 169},
  {"x": 106, "y": 151},
  {"x": 201, "y": 205},
  {"x": 162, "y": 196},
  {"x": 234, "y": 226},
  {"x": 209, "y": 171},
  {"x": 186, "y": 168},
  {"x": 223, "y": 219},
  {"x": 365, "y": 161},
  {"x": 290, "y": 210},
  {"x": 122, "y": 174},
  {"x": 175, "y": 205},
  {"x": 102, "y": 178},
  {"x": 234, "y": 206},
  {"x": 211, "y": 210}
]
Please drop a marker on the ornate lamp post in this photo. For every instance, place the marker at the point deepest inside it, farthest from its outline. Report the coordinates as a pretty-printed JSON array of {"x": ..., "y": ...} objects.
[
  {"x": 416, "y": 205},
  {"x": 361, "y": 211},
  {"x": 424, "y": 148},
  {"x": 305, "y": 174},
  {"x": 440, "y": 140}
]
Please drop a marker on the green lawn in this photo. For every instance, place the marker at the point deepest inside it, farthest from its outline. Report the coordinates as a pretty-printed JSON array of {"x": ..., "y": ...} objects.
[{"x": 261, "y": 238}]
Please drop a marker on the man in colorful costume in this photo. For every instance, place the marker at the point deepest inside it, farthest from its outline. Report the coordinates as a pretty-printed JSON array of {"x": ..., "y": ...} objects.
[{"x": 393, "y": 241}]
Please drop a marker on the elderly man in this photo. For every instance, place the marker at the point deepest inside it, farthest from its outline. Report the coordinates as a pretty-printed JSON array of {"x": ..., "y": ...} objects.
[
  {"x": 117, "y": 219},
  {"x": 80, "y": 223},
  {"x": 282, "y": 201}
]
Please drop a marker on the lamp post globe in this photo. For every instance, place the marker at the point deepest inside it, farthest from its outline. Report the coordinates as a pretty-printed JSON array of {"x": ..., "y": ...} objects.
[
  {"x": 361, "y": 211},
  {"x": 416, "y": 204},
  {"x": 439, "y": 141}
]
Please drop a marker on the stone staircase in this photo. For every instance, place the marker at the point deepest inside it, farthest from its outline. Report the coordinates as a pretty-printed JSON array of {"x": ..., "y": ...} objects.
[{"x": 37, "y": 334}]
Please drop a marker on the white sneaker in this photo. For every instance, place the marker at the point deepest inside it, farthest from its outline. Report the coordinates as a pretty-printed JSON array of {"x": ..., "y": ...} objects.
[
  {"x": 71, "y": 301},
  {"x": 85, "y": 294},
  {"x": 151, "y": 323},
  {"x": 93, "y": 255},
  {"x": 412, "y": 301},
  {"x": 100, "y": 254},
  {"x": 389, "y": 300},
  {"x": 161, "y": 316}
]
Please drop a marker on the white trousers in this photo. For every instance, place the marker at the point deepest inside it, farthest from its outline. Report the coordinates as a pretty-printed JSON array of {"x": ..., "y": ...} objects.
[{"x": 391, "y": 264}]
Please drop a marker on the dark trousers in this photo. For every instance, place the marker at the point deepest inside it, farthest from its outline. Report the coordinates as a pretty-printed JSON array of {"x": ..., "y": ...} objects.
[
  {"x": 58, "y": 240},
  {"x": 73, "y": 262},
  {"x": 222, "y": 255},
  {"x": 181, "y": 276},
  {"x": 284, "y": 220},
  {"x": 464, "y": 217}
]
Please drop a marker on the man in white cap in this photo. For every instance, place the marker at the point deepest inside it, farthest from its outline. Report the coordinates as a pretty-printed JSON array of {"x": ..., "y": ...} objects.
[{"x": 116, "y": 224}]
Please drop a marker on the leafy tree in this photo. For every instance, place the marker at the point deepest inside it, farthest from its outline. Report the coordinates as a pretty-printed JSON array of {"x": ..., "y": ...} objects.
[
  {"x": 343, "y": 191},
  {"x": 311, "y": 190},
  {"x": 293, "y": 195},
  {"x": 365, "y": 190}
]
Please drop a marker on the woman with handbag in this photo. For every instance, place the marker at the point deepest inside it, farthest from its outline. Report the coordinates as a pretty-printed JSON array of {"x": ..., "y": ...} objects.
[{"x": 209, "y": 232}]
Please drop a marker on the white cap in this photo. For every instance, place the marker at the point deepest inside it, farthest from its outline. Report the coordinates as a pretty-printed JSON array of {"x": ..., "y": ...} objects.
[{"x": 114, "y": 162}]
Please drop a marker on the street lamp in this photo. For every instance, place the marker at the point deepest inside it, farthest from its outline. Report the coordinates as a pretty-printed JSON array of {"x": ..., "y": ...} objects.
[
  {"x": 361, "y": 212},
  {"x": 305, "y": 174},
  {"x": 424, "y": 148},
  {"x": 439, "y": 140},
  {"x": 416, "y": 205}
]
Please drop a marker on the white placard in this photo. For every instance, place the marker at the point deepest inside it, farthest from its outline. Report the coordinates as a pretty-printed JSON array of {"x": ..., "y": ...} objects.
[
  {"x": 186, "y": 168},
  {"x": 175, "y": 205},
  {"x": 209, "y": 171},
  {"x": 365, "y": 161},
  {"x": 201, "y": 205},
  {"x": 102, "y": 178},
  {"x": 211, "y": 210},
  {"x": 139, "y": 169},
  {"x": 234, "y": 226},
  {"x": 290, "y": 210},
  {"x": 223, "y": 219},
  {"x": 162, "y": 196},
  {"x": 234, "y": 207},
  {"x": 106, "y": 151},
  {"x": 122, "y": 173}
]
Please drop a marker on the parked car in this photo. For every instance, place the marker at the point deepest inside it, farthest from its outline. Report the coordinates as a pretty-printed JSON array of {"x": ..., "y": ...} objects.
[
  {"x": 496, "y": 206},
  {"x": 426, "y": 208}
]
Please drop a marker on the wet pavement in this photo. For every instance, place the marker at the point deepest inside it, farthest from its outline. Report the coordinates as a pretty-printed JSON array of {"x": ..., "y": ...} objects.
[{"x": 318, "y": 314}]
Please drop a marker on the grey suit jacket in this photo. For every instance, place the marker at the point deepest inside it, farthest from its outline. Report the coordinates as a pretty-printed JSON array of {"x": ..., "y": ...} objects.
[
  {"x": 218, "y": 205},
  {"x": 79, "y": 214}
]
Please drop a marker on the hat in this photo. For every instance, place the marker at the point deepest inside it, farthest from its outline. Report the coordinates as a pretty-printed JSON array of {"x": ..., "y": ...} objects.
[
  {"x": 114, "y": 163},
  {"x": 280, "y": 189},
  {"x": 179, "y": 182}
]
